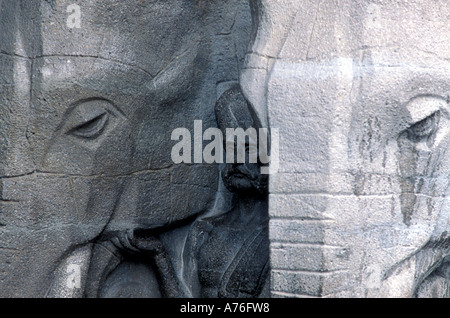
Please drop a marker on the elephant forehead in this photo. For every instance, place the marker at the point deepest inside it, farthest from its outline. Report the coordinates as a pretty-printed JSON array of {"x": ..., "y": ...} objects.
[
  {"x": 66, "y": 80},
  {"x": 386, "y": 80},
  {"x": 144, "y": 33},
  {"x": 15, "y": 88}
]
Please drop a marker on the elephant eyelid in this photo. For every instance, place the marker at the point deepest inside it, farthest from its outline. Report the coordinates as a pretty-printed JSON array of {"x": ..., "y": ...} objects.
[
  {"x": 91, "y": 128},
  {"x": 425, "y": 127}
]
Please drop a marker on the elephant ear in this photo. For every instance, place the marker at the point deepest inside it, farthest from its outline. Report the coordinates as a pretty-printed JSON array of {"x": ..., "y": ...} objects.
[{"x": 233, "y": 111}]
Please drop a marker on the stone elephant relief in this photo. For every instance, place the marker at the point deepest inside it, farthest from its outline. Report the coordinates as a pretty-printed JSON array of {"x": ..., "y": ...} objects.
[{"x": 91, "y": 203}]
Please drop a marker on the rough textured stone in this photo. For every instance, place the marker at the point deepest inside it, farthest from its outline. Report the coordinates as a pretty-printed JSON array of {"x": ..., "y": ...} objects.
[{"x": 92, "y": 204}]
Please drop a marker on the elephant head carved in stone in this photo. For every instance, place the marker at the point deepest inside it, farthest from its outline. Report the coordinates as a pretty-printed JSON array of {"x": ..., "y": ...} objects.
[{"x": 87, "y": 112}]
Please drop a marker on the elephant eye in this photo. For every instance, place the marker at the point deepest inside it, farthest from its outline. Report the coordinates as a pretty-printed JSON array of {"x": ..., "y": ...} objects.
[
  {"x": 90, "y": 119},
  {"x": 91, "y": 128},
  {"x": 424, "y": 128}
]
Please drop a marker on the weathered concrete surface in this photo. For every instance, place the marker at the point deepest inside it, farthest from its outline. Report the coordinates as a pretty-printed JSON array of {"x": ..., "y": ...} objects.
[{"x": 360, "y": 92}]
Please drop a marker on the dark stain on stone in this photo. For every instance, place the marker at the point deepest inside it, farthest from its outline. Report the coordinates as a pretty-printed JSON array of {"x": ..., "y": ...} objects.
[
  {"x": 358, "y": 185},
  {"x": 408, "y": 167}
]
